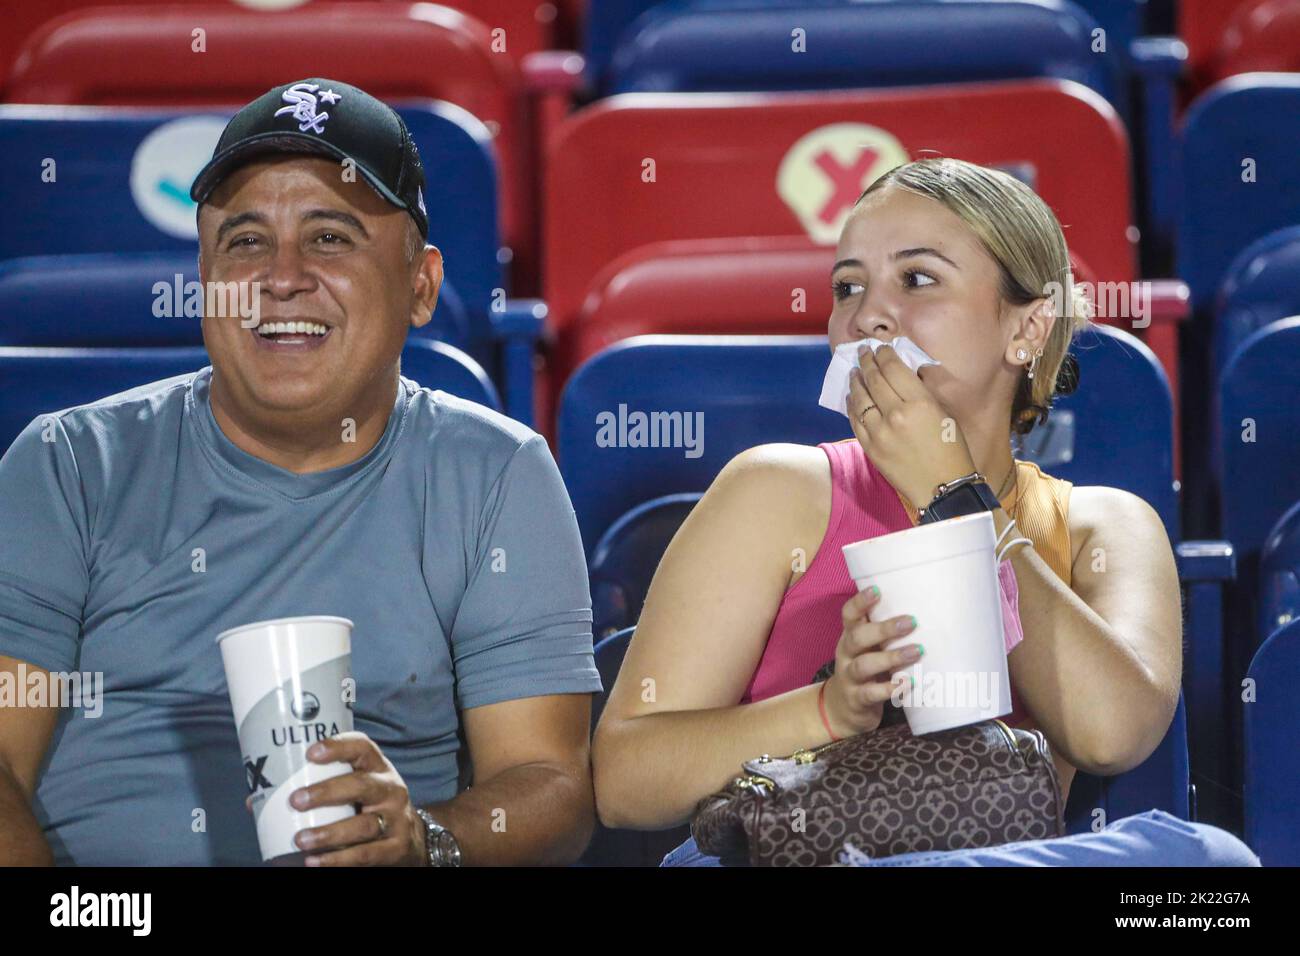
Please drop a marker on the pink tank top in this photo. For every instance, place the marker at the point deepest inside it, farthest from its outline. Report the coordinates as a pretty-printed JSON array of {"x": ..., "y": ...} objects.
[{"x": 808, "y": 623}]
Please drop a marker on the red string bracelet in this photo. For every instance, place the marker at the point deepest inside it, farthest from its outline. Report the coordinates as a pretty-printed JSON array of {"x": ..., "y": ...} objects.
[{"x": 821, "y": 709}]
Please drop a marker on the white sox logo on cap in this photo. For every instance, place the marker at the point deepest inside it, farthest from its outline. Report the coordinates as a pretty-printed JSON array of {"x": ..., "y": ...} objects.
[{"x": 302, "y": 99}]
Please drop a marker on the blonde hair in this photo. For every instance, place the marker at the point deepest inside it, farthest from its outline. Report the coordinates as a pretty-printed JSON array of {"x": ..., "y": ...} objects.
[{"x": 1024, "y": 237}]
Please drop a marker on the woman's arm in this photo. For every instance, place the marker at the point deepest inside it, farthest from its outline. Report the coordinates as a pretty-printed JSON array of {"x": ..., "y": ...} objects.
[
  {"x": 672, "y": 731},
  {"x": 1101, "y": 663}
]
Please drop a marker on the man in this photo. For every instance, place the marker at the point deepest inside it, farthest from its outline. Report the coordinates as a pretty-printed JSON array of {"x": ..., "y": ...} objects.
[{"x": 298, "y": 474}]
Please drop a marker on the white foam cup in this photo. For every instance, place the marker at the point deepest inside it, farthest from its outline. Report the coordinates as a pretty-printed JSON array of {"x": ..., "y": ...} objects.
[
  {"x": 288, "y": 680},
  {"x": 944, "y": 574}
]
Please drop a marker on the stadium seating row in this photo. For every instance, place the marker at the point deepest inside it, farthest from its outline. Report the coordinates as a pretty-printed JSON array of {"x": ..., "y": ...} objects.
[
  {"x": 633, "y": 477},
  {"x": 67, "y": 168},
  {"x": 731, "y": 153},
  {"x": 815, "y": 161}
]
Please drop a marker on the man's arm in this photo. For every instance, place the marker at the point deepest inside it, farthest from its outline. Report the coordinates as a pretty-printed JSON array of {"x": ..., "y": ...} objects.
[
  {"x": 25, "y": 734},
  {"x": 532, "y": 800},
  {"x": 44, "y": 579}
]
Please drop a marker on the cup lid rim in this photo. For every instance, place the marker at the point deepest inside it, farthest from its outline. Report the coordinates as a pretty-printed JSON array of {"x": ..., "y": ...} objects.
[
  {"x": 917, "y": 530},
  {"x": 302, "y": 619}
]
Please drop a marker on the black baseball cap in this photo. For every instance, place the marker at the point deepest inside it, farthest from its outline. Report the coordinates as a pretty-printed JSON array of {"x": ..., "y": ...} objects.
[{"x": 324, "y": 118}]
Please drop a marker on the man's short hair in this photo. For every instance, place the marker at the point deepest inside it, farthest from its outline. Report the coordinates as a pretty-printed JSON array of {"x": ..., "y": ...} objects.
[{"x": 414, "y": 240}]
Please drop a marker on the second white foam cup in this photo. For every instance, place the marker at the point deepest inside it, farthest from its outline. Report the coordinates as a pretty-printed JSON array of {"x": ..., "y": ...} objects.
[
  {"x": 944, "y": 574},
  {"x": 287, "y": 681}
]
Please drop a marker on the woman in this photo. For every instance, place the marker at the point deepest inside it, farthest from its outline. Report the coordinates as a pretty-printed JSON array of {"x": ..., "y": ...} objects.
[{"x": 752, "y": 596}]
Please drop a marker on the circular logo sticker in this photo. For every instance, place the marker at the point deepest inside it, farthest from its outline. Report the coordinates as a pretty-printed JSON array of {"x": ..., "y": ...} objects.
[
  {"x": 164, "y": 167},
  {"x": 825, "y": 171},
  {"x": 306, "y": 707}
]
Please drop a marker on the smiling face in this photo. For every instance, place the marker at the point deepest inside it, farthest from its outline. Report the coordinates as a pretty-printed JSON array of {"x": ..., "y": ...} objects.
[
  {"x": 908, "y": 266},
  {"x": 324, "y": 251}
]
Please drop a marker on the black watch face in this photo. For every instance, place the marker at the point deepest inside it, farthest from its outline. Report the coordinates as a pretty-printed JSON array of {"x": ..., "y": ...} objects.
[{"x": 960, "y": 501}]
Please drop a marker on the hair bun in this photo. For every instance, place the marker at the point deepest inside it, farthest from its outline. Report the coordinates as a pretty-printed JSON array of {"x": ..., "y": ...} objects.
[{"x": 1067, "y": 379}]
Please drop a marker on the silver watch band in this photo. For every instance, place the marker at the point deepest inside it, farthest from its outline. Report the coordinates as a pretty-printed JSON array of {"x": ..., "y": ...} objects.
[
  {"x": 435, "y": 835},
  {"x": 948, "y": 486}
]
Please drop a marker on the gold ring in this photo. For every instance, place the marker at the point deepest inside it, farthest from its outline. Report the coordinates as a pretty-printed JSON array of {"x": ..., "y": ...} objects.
[
  {"x": 864, "y": 414},
  {"x": 383, "y": 827}
]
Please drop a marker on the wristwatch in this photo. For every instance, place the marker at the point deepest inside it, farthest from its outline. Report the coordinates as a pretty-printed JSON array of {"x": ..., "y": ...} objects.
[
  {"x": 442, "y": 847},
  {"x": 967, "y": 495}
]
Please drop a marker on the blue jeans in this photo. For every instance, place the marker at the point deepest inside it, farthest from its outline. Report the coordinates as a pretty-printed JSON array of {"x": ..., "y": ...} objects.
[{"x": 1154, "y": 838}]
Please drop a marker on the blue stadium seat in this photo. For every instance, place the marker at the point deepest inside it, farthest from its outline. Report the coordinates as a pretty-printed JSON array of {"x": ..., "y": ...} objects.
[
  {"x": 1259, "y": 419},
  {"x": 1256, "y": 462},
  {"x": 739, "y": 45},
  {"x": 764, "y": 389},
  {"x": 1279, "y": 574},
  {"x": 759, "y": 389},
  {"x": 1160, "y": 782},
  {"x": 1261, "y": 286},
  {"x": 1239, "y": 184},
  {"x": 1240, "y": 178},
  {"x": 644, "y": 45},
  {"x": 1271, "y": 725},
  {"x": 34, "y": 381},
  {"x": 630, "y": 499},
  {"x": 625, "y": 558},
  {"x": 100, "y": 182},
  {"x": 106, "y": 299},
  {"x": 606, "y": 23}
]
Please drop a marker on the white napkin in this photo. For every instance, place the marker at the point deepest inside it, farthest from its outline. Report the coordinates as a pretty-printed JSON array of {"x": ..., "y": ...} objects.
[{"x": 835, "y": 387}]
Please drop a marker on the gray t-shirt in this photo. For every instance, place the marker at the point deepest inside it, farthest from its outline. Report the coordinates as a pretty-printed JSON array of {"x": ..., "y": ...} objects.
[{"x": 133, "y": 531}]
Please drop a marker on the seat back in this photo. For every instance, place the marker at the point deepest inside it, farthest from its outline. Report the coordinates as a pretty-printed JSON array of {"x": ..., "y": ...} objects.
[
  {"x": 1260, "y": 36},
  {"x": 625, "y": 558},
  {"x": 1240, "y": 178},
  {"x": 619, "y": 443},
  {"x": 140, "y": 299},
  {"x": 394, "y": 51},
  {"x": 716, "y": 165},
  {"x": 528, "y": 27},
  {"x": 1262, "y": 285},
  {"x": 35, "y": 381},
  {"x": 1201, "y": 25},
  {"x": 612, "y": 24},
  {"x": 1279, "y": 574},
  {"x": 743, "y": 286},
  {"x": 743, "y": 45},
  {"x": 133, "y": 168},
  {"x": 713, "y": 397},
  {"x": 1259, "y": 419},
  {"x": 1272, "y": 761}
]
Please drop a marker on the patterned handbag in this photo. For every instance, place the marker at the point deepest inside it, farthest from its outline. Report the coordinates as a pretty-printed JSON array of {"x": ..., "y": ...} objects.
[{"x": 886, "y": 792}]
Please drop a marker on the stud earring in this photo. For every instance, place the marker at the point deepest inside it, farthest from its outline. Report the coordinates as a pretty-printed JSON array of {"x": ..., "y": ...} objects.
[{"x": 1021, "y": 354}]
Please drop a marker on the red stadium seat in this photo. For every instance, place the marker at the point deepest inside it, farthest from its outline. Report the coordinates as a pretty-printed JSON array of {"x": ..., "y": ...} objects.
[
  {"x": 754, "y": 286},
  {"x": 1261, "y": 37},
  {"x": 529, "y": 26},
  {"x": 145, "y": 56},
  {"x": 744, "y": 189},
  {"x": 722, "y": 162},
  {"x": 1227, "y": 37}
]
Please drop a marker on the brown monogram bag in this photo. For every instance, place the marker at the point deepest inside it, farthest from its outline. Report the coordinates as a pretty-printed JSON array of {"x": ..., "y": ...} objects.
[{"x": 886, "y": 792}]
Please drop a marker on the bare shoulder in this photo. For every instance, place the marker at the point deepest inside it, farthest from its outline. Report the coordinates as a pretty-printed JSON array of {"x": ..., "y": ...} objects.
[
  {"x": 775, "y": 470},
  {"x": 789, "y": 479},
  {"x": 770, "y": 500},
  {"x": 1103, "y": 516},
  {"x": 782, "y": 463}
]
